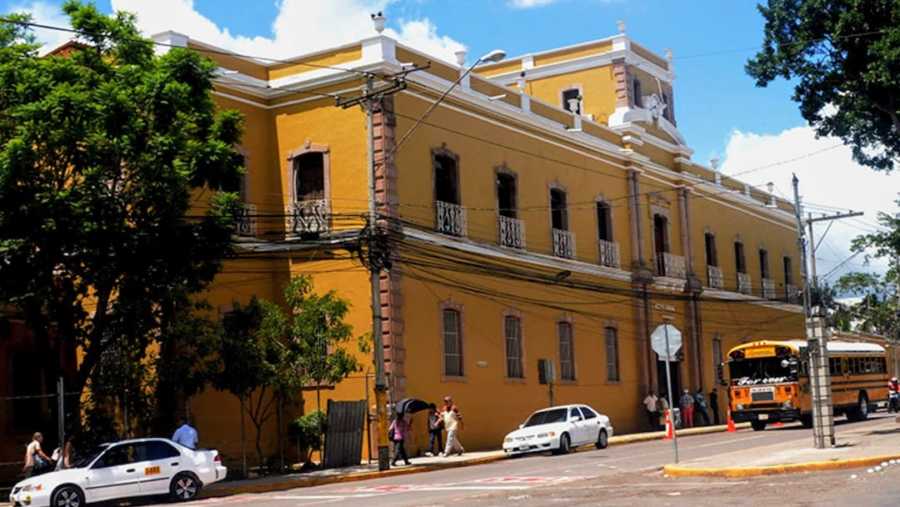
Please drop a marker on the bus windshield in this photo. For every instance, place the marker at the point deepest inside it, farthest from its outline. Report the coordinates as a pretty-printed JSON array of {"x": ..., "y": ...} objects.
[{"x": 766, "y": 370}]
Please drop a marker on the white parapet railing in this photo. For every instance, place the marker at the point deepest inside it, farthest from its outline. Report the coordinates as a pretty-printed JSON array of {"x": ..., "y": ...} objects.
[
  {"x": 744, "y": 284},
  {"x": 715, "y": 277},
  {"x": 245, "y": 221},
  {"x": 768, "y": 288},
  {"x": 450, "y": 218},
  {"x": 563, "y": 243},
  {"x": 308, "y": 217},
  {"x": 511, "y": 232},
  {"x": 671, "y": 265},
  {"x": 609, "y": 253}
]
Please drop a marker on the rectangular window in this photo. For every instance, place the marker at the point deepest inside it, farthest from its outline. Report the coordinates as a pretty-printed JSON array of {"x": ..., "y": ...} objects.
[
  {"x": 506, "y": 194},
  {"x": 612, "y": 354},
  {"x": 712, "y": 257},
  {"x": 558, "y": 209},
  {"x": 566, "y": 351},
  {"x": 453, "y": 364},
  {"x": 739, "y": 261},
  {"x": 636, "y": 91},
  {"x": 446, "y": 179},
  {"x": 309, "y": 177},
  {"x": 718, "y": 360},
  {"x": 513, "y": 331},
  {"x": 763, "y": 263},
  {"x": 568, "y": 96},
  {"x": 788, "y": 272},
  {"x": 604, "y": 222},
  {"x": 667, "y": 113}
]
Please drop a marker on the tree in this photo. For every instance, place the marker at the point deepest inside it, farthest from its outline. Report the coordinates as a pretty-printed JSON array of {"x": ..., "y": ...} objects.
[
  {"x": 845, "y": 58},
  {"x": 114, "y": 166}
]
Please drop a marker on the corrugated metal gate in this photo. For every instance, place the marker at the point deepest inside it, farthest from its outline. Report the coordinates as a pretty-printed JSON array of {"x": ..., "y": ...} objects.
[{"x": 344, "y": 436}]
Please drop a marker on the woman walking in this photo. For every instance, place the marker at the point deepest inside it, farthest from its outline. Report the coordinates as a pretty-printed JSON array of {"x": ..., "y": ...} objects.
[{"x": 398, "y": 432}]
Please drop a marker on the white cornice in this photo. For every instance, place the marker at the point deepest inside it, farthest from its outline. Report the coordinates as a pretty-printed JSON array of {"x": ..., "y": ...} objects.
[{"x": 588, "y": 62}]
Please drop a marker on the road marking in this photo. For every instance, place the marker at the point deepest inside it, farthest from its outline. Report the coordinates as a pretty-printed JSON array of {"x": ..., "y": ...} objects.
[{"x": 668, "y": 484}]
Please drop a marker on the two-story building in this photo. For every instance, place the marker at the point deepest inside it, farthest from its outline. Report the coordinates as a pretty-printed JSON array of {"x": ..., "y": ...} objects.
[{"x": 545, "y": 218}]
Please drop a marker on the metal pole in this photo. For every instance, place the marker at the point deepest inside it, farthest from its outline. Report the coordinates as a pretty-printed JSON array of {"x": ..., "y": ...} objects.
[
  {"x": 669, "y": 388},
  {"x": 368, "y": 423},
  {"x": 61, "y": 412},
  {"x": 812, "y": 254},
  {"x": 375, "y": 281}
]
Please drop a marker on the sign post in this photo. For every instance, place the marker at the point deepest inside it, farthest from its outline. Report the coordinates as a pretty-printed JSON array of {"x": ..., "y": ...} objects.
[{"x": 666, "y": 341}]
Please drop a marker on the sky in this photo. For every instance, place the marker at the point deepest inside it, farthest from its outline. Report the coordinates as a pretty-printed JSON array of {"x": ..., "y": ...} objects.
[{"x": 719, "y": 109}]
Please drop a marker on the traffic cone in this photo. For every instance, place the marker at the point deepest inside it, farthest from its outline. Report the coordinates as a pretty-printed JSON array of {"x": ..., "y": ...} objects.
[
  {"x": 670, "y": 429},
  {"x": 731, "y": 428},
  {"x": 778, "y": 424}
]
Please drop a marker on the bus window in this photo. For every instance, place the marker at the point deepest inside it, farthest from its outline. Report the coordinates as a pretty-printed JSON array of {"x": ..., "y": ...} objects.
[{"x": 834, "y": 366}]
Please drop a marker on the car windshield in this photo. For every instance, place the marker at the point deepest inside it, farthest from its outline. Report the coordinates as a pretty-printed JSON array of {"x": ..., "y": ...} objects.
[
  {"x": 556, "y": 415},
  {"x": 84, "y": 459},
  {"x": 760, "y": 371}
]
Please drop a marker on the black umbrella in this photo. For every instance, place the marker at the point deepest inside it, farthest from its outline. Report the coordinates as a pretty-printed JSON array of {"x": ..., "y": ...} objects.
[{"x": 411, "y": 406}]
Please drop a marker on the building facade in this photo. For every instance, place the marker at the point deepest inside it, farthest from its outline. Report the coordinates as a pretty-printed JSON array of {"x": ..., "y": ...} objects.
[{"x": 540, "y": 223}]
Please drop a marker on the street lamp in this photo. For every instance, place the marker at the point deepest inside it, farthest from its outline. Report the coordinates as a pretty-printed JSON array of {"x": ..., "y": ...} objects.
[{"x": 491, "y": 57}]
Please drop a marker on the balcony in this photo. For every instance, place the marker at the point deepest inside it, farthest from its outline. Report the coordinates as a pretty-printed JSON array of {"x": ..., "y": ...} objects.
[
  {"x": 450, "y": 218},
  {"x": 744, "y": 285},
  {"x": 768, "y": 288},
  {"x": 792, "y": 294},
  {"x": 305, "y": 218},
  {"x": 563, "y": 243},
  {"x": 245, "y": 221},
  {"x": 511, "y": 231},
  {"x": 609, "y": 253},
  {"x": 715, "y": 277},
  {"x": 671, "y": 265}
]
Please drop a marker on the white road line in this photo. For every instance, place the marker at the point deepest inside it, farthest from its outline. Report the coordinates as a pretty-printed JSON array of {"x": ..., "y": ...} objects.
[{"x": 319, "y": 497}]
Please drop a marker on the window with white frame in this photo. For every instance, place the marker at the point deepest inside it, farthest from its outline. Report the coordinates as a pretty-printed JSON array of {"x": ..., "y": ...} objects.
[
  {"x": 513, "y": 331},
  {"x": 568, "y": 96},
  {"x": 453, "y": 358},
  {"x": 566, "y": 351},
  {"x": 612, "y": 354}
]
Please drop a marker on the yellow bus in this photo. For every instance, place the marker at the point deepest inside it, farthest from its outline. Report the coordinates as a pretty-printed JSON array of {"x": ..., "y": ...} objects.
[{"x": 769, "y": 381}]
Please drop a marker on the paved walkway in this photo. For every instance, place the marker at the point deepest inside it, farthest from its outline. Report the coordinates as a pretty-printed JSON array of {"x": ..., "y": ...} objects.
[{"x": 856, "y": 446}]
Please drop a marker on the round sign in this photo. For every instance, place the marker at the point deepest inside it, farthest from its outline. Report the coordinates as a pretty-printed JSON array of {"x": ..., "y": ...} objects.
[{"x": 659, "y": 338}]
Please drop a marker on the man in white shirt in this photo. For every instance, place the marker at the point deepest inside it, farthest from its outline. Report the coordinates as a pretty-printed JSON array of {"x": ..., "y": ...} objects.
[
  {"x": 452, "y": 423},
  {"x": 186, "y": 435},
  {"x": 36, "y": 461},
  {"x": 651, "y": 406}
]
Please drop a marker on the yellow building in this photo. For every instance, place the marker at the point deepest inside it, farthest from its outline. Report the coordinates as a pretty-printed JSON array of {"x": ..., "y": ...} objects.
[{"x": 546, "y": 212}]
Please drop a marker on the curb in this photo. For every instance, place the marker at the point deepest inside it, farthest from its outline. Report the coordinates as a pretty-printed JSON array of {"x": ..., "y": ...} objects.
[
  {"x": 740, "y": 472},
  {"x": 306, "y": 482},
  {"x": 354, "y": 477}
]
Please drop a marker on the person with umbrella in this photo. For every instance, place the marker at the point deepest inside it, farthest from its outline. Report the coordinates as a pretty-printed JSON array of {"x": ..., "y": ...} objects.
[{"x": 397, "y": 433}]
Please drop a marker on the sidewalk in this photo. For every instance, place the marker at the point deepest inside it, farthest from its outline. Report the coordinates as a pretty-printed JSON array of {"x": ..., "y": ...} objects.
[
  {"x": 867, "y": 446},
  {"x": 419, "y": 465}
]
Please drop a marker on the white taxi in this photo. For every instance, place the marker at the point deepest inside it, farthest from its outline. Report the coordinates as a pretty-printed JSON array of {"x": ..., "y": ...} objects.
[
  {"x": 130, "y": 468},
  {"x": 559, "y": 429}
]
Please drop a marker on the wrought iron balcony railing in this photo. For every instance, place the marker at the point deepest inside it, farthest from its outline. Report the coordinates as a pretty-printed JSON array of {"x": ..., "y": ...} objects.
[
  {"x": 671, "y": 265},
  {"x": 245, "y": 221},
  {"x": 715, "y": 278},
  {"x": 308, "y": 217},
  {"x": 511, "y": 231},
  {"x": 744, "y": 284},
  {"x": 609, "y": 253},
  {"x": 768, "y": 288},
  {"x": 563, "y": 243},
  {"x": 450, "y": 218}
]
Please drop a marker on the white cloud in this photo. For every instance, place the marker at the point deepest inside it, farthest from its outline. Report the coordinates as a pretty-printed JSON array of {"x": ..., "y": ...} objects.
[
  {"x": 827, "y": 178},
  {"x": 300, "y": 27},
  {"x": 45, "y": 13},
  {"x": 528, "y": 4}
]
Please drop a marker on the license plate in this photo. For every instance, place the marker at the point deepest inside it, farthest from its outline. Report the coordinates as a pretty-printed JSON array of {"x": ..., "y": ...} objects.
[{"x": 762, "y": 417}]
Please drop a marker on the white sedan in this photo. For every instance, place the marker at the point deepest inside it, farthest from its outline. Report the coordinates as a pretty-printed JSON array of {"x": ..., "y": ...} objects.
[
  {"x": 130, "y": 468},
  {"x": 559, "y": 429}
]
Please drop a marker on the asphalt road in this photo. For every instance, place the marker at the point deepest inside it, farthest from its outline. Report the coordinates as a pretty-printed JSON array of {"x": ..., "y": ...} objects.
[{"x": 619, "y": 475}]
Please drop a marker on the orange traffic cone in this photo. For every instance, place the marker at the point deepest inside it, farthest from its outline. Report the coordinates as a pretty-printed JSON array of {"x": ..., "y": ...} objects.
[
  {"x": 670, "y": 429},
  {"x": 778, "y": 424},
  {"x": 731, "y": 428}
]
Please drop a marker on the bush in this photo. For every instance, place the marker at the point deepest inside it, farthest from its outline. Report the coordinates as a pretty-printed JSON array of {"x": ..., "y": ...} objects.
[{"x": 309, "y": 432}]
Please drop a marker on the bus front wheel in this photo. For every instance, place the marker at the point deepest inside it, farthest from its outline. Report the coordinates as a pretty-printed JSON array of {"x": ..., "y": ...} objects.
[
  {"x": 861, "y": 411},
  {"x": 758, "y": 425}
]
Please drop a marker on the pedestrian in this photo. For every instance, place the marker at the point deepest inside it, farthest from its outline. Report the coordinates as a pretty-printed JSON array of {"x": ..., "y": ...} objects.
[
  {"x": 452, "y": 423},
  {"x": 662, "y": 408},
  {"x": 186, "y": 434},
  {"x": 700, "y": 408},
  {"x": 66, "y": 455},
  {"x": 893, "y": 395},
  {"x": 650, "y": 406},
  {"x": 687, "y": 409},
  {"x": 397, "y": 433},
  {"x": 36, "y": 461},
  {"x": 435, "y": 431},
  {"x": 714, "y": 405}
]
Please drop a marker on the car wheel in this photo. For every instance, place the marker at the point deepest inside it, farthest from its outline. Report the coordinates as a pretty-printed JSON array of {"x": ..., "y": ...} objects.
[
  {"x": 565, "y": 444},
  {"x": 602, "y": 440},
  {"x": 67, "y": 496},
  {"x": 184, "y": 487},
  {"x": 758, "y": 425}
]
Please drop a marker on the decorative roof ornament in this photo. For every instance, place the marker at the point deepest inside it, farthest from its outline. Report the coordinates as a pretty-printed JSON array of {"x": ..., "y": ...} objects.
[
  {"x": 620, "y": 25},
  {"x": 656, "y": 105},
  {"x": 378, "y": 20}
]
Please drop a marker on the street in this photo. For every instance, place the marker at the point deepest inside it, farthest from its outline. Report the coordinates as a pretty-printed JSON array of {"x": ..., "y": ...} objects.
[{"x": 619, "y": 475}]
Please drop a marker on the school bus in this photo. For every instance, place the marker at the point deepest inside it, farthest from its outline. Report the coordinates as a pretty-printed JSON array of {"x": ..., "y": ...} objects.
[{"x": 769, "y": 381}]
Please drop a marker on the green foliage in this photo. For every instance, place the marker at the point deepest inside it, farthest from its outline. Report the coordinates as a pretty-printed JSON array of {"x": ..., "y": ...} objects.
[
  {"x": 309, "y": 430},
  {"x": 103, "y": 156},
  {"x": 844, "y": 56}
]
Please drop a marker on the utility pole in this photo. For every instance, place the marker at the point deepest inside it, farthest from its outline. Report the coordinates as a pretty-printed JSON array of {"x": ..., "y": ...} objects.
[{"x": 810, "y": 220}]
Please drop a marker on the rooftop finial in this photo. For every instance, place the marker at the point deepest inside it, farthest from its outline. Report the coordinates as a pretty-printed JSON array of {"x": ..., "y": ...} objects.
[
  {"x": 621, "y": 26},
  {"x": 669, "y": 55},
  {"x": 770, "y": 186},
  {"x": 378, "y": 19},
  {"x": 461, "y": 57},
  {"x": 714, "y": 162}
]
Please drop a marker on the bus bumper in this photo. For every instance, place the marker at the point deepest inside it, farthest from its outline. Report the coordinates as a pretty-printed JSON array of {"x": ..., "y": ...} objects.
[{"x": 769, "y": 416}]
